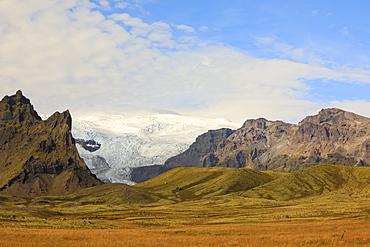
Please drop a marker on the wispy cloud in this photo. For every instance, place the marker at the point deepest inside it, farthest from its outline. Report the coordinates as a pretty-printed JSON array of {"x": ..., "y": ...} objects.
[
  {"x": 184, "y": 28},
  {"x": 315, "y": 12},
  {"x": 345, "y": 31},
  {"x": 203, "y": 28},
  {"x": 121, "y": 5},
  {"x": 264, "y": 40}
]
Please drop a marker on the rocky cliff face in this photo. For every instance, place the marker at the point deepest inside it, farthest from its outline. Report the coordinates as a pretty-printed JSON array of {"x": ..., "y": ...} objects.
[
  {"x": 38, "y": 157},
  {"x": 333, "y": 136},
  {"x": 204, "y": 145}
]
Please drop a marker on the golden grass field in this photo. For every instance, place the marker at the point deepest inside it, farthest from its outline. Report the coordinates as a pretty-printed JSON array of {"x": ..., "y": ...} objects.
[
  {"x": 309, "y": 209},
  {"x": 224, "y": 222},
  {"x": 276, "y": 233}
]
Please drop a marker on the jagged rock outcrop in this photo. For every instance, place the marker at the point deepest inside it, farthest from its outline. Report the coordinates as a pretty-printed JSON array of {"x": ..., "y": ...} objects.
[
  {"x": 204, "y": 145},
  {"x": 333, "y": 136},
  {"x": 38, "y": 157},
  {"x": 258, "y": 139}
]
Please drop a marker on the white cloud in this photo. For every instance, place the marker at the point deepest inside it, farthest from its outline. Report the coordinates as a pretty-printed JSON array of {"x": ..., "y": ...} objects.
[
  {"x": 121, "y": 5},
  {"x": 184, "y": 28},
  {"x": 63, "y": 54},
  {"x": 104, "y": 3},
  {"x": 131, "y": 4},
  {"x": 264, "y": 40},
  {"x": 203, "y": 28}
]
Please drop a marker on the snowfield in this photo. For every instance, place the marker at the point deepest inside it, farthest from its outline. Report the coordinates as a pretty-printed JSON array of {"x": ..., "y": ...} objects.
[{"x": 131, "y": 141}]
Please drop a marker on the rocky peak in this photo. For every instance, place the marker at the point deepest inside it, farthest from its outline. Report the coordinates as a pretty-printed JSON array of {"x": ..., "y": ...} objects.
[
  {"x": 260, "y": 123},
  {"x": 334, "y": 116},
  {"x": 17, "y": 109},
  {"x": 38, "y": 157},
  {"x": 63, "y": 118},
  {"x": 18, "y": 97}
]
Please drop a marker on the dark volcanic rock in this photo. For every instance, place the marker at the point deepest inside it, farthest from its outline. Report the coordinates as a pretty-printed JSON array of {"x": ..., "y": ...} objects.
[
  {"x": 38, "y": 157},
  {"x": 89, "y": 145}
]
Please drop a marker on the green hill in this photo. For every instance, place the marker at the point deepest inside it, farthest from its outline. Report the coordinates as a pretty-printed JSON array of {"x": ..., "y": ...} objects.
[
  {"x": 189, "y": 183},
  {"x": 112, "y": 193},
  {"x": 315, "y": 180}
]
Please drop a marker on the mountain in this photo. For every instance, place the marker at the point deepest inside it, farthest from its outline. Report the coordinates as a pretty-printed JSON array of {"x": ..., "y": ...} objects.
[
  {"x": 38, "y": 157},
  {"x": 114, "y": 145},
  {"x": 333, "y": 136}
]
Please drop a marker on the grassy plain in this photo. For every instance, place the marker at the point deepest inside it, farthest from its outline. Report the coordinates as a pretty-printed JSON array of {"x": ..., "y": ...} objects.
[
  {"x": 310, "y": 209},
  {"x": 277, "y": 233}
]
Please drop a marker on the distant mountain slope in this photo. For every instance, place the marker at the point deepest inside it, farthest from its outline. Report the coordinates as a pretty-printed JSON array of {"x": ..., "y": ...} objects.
[
  {"x": 332, "y": 136},
  {"x": 189, "y": 183},
  {"x": 128, "y": 141},
  {"x": 315, "y": 180},
  {"x": 38, "y": 157}
]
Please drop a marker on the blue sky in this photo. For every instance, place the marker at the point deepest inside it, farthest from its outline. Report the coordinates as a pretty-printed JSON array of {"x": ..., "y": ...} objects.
[
  {"x": 333, "y": 30},
  {"x": 230, "y": 59}
]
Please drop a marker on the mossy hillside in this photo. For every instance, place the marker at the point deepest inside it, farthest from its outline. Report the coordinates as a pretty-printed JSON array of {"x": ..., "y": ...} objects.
[
  {"x": 25, "y": 147},
  {"x": 188, "y": 183},
  {"x": 313, "y": 181}
]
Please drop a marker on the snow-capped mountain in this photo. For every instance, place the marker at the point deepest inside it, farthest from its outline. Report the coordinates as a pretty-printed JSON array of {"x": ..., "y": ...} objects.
[{"x": 123, "y": 141}]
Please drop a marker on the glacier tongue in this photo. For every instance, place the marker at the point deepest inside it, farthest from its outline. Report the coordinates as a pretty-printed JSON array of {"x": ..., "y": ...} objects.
[{"x": 132, "y": 141}]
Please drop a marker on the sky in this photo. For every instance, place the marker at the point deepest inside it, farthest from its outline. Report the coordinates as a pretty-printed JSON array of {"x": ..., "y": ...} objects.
[{"x": 240, "y": 59}]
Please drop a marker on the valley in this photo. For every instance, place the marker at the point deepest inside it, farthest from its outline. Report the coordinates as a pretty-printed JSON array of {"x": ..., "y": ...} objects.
[
  {"x": 202, "y": 211},
  {"x": 206, "y": 196}
]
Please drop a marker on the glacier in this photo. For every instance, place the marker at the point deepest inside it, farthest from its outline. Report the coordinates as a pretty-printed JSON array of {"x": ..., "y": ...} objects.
[{"x": 128, "y": 141}]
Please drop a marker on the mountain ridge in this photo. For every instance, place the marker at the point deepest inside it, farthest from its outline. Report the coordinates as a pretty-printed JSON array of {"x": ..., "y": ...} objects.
[{"x": 332, "y": 136}]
